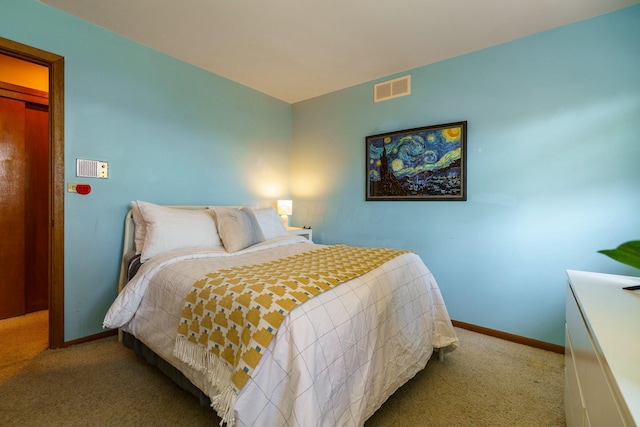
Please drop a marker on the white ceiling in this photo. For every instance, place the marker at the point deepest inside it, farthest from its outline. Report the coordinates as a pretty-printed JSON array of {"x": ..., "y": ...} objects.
[{"x": 298, "y": 49}]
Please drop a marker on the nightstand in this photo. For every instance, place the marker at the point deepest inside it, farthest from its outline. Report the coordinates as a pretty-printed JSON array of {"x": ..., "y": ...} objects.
[{"x": 299, "y": 231}]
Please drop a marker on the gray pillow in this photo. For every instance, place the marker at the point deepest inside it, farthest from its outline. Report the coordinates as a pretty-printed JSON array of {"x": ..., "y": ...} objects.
[{"x": 238, "y": 228}]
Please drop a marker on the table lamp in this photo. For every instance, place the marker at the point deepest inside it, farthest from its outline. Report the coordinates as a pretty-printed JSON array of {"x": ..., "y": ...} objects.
[{"x": 285, "y": 208}]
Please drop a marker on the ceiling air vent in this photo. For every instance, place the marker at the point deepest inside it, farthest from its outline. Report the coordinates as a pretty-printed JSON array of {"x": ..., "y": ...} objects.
[{"x": 392, "y": 89}]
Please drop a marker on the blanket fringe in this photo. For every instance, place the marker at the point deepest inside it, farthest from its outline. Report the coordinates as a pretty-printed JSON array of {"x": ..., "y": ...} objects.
[
  {"x": 223, "y": 395},
  {"x": 224, "y": 403}
]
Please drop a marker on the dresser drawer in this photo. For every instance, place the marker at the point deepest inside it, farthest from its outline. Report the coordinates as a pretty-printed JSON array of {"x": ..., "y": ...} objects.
[
  {"x": 575, "y": 410},
  {"x": 593, "y": 390}
]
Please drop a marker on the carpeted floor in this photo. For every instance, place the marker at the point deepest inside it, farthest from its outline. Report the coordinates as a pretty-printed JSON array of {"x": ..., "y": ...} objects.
[
  {"x": 485, "y": 382},
  {"x": 22, "y": 338}
]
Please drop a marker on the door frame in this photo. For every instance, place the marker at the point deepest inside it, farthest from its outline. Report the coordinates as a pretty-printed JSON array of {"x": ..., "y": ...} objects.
[{"x": 55, "y": 276}]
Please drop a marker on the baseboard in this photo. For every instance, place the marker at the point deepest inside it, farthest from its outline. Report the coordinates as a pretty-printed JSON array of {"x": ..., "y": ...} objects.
[
  {"x": 510, "y": 337},
  {"x": 93, "y": 337},
  {"x": 468, "y": 326}
]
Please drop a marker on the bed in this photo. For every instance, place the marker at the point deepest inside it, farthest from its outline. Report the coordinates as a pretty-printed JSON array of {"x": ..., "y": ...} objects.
[{"x": 353, "y": 324}]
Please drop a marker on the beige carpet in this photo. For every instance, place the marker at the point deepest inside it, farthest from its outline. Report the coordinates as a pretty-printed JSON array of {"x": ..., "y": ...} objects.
[
  {"x": 485, "y": 382},
  {"x": 21, "y": 339}
]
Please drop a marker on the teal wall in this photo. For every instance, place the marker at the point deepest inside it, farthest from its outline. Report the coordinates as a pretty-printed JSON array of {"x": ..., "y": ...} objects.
[
  {"x": 172, "y": 133},
  {"x": 553, "y": 170},
  {"x": 553, "y": 155}
]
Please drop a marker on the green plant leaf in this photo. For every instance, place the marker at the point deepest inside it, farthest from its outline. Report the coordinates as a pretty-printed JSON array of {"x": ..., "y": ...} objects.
[{"x": 627, "y": 253}]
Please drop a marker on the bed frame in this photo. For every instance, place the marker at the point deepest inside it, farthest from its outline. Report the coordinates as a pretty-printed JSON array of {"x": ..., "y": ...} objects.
[{"x": 141, "y": 350}]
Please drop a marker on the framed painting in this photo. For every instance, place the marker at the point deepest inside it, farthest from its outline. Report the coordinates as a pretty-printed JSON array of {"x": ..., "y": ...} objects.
[{"x": 427, "y": 163}]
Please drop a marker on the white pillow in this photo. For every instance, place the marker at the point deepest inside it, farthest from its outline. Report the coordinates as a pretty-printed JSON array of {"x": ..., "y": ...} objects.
[
  {"x": 238, "y": 228},
  {"x": 168, "y": 229},
  {"x": 270, "y": 223},
  {"x": 140, "y": 227}
]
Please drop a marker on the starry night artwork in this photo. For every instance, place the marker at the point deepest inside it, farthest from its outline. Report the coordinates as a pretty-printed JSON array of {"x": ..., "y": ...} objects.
[{"x": 427, "y": 163}]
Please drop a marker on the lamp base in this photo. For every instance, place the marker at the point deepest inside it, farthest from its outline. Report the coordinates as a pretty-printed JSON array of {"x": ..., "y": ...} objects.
[{"x": 285, "y": 220}]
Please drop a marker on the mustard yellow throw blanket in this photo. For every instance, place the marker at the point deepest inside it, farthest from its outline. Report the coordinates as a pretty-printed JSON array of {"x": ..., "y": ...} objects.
[{"x": 230, "y": 316}]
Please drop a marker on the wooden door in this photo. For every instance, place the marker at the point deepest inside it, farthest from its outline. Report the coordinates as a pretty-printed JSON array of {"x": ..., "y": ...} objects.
[
  {"x": 36, "y": 207},
  {"x": 24, "y": 183},
  {"x": 12, "y": 207}
]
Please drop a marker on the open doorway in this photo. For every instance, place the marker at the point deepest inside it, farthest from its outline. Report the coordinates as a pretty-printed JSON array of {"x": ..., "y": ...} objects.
[{"x": 54, "y": 251}]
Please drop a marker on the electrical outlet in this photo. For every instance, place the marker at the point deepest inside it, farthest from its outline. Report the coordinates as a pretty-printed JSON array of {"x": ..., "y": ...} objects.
[{"x": 72, "y": 187}]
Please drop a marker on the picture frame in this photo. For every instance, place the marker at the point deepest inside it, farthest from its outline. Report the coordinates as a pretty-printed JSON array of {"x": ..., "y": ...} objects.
[{"x": 421, "y": 164}]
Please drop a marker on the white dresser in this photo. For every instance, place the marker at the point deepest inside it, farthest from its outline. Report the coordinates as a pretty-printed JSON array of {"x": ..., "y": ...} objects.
[{"x": 602, "y": 358}]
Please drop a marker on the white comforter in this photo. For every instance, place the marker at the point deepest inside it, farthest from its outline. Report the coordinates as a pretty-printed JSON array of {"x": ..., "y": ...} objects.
[{"x": 334, "y": 360}]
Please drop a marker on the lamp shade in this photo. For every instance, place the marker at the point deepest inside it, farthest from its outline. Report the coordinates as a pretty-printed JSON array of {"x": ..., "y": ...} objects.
[{"x": 285, "y": 207}]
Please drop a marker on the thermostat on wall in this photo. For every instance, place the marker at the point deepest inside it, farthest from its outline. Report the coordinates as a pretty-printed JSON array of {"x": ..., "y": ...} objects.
[{"x": 92, "y": 168}]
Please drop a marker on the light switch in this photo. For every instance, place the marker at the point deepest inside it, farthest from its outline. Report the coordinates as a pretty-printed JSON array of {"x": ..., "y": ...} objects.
[
  {"x": 103, "y": 170},
  {"x": 74, "y": 187}
]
